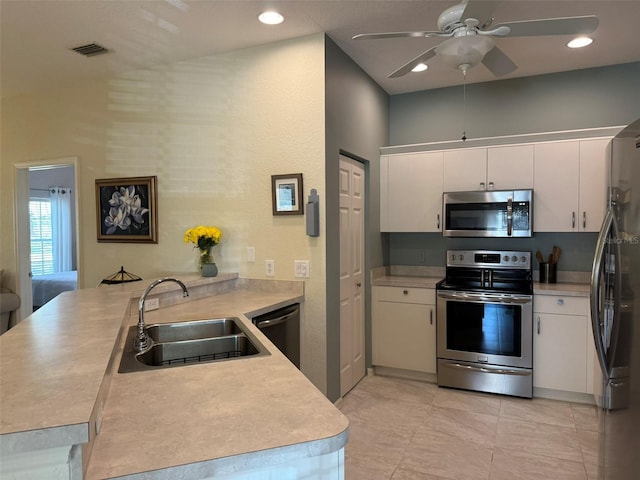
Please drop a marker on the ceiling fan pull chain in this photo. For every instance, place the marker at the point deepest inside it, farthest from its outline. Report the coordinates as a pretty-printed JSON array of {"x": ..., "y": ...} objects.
[{"x": 464, "y": 105}]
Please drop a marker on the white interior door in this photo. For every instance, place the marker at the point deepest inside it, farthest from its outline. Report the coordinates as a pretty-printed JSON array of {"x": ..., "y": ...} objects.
[{"x": 352, "y": 205}]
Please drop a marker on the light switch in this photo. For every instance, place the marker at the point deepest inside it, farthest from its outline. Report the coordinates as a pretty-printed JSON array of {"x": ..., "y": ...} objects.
[{"x": 251, "y": 254}]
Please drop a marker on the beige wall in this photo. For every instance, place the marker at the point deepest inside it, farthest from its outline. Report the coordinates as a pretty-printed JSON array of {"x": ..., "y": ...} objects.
[{"x": 213, "y": 130}]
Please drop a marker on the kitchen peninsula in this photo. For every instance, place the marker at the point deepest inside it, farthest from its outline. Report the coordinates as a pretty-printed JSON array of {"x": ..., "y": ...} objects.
[{"x": 67, "y": 413}]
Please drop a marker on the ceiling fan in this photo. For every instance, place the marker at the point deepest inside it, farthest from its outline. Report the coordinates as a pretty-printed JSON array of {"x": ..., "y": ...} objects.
[{"x": 470, "y": 33}]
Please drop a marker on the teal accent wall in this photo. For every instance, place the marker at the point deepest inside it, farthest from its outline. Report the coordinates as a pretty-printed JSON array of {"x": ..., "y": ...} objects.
[
  {"x": 590, "y": 98},
  {"x": 428, "y": 249},
  {"x": 357, "y": 125}
]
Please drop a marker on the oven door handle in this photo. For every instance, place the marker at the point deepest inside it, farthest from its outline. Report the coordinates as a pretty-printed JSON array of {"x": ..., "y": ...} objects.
[
  {"x": 497, "y": 371},
  {"x": 485, "y": 297}
]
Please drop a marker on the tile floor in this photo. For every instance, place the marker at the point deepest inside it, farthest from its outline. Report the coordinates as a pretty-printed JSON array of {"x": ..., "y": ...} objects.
[{"x": 406, "y": 430}]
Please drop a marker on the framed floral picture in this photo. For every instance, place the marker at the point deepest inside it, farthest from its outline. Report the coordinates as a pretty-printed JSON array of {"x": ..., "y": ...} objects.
[
  {"x": 127, "y": 210},
  {"x": 286, "y": 191}
]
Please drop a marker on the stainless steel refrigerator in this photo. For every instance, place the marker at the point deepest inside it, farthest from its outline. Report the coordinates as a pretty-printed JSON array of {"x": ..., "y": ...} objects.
[{"x": 615, "y": 314}]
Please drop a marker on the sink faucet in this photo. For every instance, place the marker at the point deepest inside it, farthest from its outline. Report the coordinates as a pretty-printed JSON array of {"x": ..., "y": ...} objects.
[{"x": 142, "y": 340}]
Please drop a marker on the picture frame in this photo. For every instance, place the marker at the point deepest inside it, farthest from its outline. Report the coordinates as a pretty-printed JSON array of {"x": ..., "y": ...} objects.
[
  {"x": 126, "y": 210},
  {"x": 286, "y": 193}
]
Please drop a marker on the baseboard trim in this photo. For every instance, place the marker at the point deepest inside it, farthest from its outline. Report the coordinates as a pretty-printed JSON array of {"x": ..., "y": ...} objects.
[
  {"x": 565, "y": 396},
  {"x": 406, "y": 374}
]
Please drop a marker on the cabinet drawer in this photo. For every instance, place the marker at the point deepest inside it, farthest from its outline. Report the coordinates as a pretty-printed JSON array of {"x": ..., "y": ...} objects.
[
  {"x": 562, "y": 305},
  {"x": 425, "y": 296}
]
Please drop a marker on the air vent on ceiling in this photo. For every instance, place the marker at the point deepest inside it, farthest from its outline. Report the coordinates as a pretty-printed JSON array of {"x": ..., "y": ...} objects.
[{"x": 90, "y": 49}]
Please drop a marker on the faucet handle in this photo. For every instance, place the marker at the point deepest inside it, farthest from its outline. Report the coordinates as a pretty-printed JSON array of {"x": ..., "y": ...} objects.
[{"x": 142, "y": 341}]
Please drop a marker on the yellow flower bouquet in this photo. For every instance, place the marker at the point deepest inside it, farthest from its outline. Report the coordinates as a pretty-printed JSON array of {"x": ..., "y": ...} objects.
[{"x": 204, "y": 238}]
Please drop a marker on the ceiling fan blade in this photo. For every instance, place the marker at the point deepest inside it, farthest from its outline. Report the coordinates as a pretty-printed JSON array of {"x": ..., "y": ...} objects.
[
  {"x": 481, "y": 10},
  {"x": 370, "y": 36},
  {"x": 498, "y": 62},
  {"x": 406, "y": 68},
  {"x": 552, "y": 26}
]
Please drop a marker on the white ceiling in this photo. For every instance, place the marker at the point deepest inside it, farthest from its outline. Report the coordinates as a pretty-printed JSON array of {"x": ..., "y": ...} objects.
[{"x": 36, "y": 36}]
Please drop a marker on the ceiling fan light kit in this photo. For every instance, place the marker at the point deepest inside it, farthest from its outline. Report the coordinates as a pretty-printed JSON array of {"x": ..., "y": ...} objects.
[
  {"x": 468, "y": 50},
  {"x": 470, "y": 33}
]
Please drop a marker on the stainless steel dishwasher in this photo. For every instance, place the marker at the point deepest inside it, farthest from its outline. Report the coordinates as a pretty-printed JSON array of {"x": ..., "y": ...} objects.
[{"x": 282, "y": 327}]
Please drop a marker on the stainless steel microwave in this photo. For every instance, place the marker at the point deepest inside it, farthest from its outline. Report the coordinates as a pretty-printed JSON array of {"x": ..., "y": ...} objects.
[{"x": 493, "y": 213}]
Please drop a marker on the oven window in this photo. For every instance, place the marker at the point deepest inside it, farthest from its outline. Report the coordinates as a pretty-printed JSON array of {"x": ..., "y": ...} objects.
[{"x": 488, "y": 328}]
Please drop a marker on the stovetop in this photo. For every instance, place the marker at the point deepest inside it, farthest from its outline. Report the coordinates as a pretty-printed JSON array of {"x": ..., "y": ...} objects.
[{"x": 488, "y": 271}]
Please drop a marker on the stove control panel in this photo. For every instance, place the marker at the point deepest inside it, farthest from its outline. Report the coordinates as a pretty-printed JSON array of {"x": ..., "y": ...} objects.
[{"x": 489, "y": 259}]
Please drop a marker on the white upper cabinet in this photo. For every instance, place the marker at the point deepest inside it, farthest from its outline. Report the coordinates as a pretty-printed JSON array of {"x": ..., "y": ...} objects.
[
  {"x": 465, "y": 170},
  {"x": 570, "y": 184},
  {"x": 555, "y": 186},
  {"x": 510, "y": 167},
  {"x": 411, "y": 192},
  {"x": 594, "y": 171},
  {"x": 568, "y": 177},
  {"x": 494, "y": 168}
]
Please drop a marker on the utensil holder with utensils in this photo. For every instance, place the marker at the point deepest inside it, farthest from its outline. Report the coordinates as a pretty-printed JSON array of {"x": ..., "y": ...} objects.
[
  {"x": 548, "y": 269},
  {"x": 548, "y": 272}
]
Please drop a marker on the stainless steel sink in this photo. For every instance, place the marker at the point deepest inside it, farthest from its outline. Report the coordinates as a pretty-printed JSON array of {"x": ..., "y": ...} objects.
[
  {"x": 186, "y": 343},
  {"x": 197, "y": 351},
  {"x": 193, "y": 330}
]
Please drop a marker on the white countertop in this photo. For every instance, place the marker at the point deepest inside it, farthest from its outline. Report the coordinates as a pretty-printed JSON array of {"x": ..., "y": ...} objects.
[{"x": 189, "y": 421}]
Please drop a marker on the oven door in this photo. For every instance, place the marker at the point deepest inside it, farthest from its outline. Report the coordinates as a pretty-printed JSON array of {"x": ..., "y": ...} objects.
[{"x": 485, "y": 328}]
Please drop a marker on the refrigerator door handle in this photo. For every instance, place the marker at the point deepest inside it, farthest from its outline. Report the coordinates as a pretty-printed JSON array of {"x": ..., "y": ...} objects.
[
  {"x": 599, "y": 262},
  {"x": 595, "y": 291}
]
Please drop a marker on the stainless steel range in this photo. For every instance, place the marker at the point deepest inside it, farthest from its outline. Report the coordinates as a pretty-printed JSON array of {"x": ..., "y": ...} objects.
[{"x": 484, "y": 322}]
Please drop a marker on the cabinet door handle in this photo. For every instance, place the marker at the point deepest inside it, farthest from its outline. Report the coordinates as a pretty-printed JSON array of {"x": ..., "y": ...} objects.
[
  {"x": 431, "y": 316},
  {"x": 490, "y": 185},
  {"x": 584, "y": 219},
  {"x": 406, "y": 292},
  {"x": 573, "y": 219},
  {"x": 438, "y": 221},
  {"x": 538, "y": 325},
  {"x": 482, "y": 187},
  {"x": 561, "y": 301}
]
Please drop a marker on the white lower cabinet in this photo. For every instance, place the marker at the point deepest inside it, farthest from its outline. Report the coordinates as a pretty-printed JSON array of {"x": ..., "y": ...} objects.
[
  {"x": 562, "y": 344},
  {"x": 404, "y": 328}
]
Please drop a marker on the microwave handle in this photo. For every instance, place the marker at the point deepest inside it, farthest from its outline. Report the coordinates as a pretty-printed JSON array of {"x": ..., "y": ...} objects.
[{"x": 509, "y": 216}]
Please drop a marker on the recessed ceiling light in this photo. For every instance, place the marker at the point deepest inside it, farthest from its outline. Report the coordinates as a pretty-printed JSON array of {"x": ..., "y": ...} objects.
[
  {"x": 421, "y": 67},
  {"x": 271, "y": 18},
  {"x": 580, "y": 42}
]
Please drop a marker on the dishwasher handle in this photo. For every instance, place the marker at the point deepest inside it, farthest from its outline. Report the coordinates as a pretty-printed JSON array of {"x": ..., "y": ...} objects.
[{"x": 275, "y": 321}]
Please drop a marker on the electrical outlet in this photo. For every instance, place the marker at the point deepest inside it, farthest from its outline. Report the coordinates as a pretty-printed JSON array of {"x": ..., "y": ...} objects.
[
  {"x": 270, "y": 268},
  {"x": 301, "y": 268},
  {"x": 152, "y": 303},
  {"x": 251, "y": 254}
]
